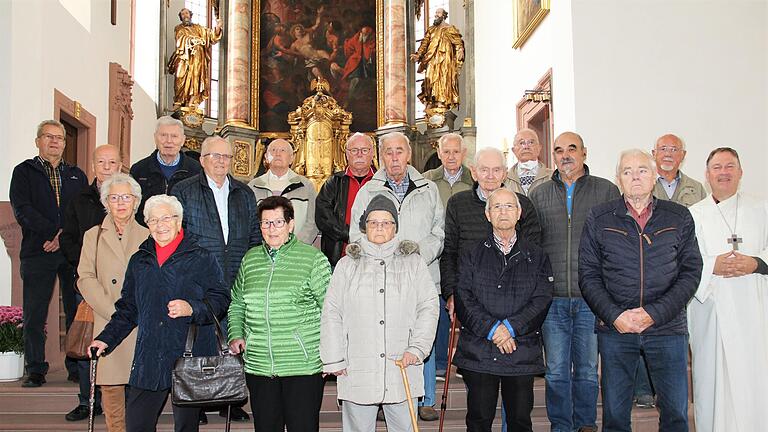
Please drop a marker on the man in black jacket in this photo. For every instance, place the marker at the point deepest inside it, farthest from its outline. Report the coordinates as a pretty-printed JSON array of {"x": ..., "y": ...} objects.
[
  {"x": 504, "y": 292},
  {"x": 166, "y": 166},
  {"x": 570, "y": 342},
  {"x": 83, "y": 213},
  {"x": 40, "y": 189},
  {"x": 333, "y": 205},
  {"x": 466, "y": 223},
  {"x": 639, "y": 265},
  {"x": 221, "y": 213}
]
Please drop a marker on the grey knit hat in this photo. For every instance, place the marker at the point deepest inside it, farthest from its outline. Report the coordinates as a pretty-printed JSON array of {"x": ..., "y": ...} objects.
[{"x": 379, "y": 202}]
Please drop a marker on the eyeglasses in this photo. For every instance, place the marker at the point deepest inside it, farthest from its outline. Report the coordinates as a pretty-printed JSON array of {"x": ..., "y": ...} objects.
[
  {"x": 503, "y": 207},
  {"x": 279, "y": 223},
  {"x": 379, "y": 224},
  {"x": 164, "y": 219},
  {"x": 672, "y": 150},
  {"x": 50, "y": 137},
  {"x": 526, "y": 143},
  {"x": 218, "y": 156},
  {"x": 113, "y": 198},
  {"x": 356, "y": 151}
]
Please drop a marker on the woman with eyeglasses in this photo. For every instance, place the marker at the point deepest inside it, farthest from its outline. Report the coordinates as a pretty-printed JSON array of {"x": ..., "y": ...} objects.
[
  {"x": 107, "y": 247},
  {"x": 274, "y": 318},
  {"x": 167, "y": 284},
  {"x": 381, "y": 306}
]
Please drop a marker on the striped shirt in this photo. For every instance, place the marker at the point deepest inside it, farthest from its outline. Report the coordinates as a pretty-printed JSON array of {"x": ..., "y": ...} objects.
[{"x": 54, "y": 176}]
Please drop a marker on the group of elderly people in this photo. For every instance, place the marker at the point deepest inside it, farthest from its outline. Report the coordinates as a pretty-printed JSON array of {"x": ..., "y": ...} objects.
[{"x": 244, "y": 252}]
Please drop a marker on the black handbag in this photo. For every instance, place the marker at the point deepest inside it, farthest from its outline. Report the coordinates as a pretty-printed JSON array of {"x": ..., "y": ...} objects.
[{"x": 208, "y": 381}]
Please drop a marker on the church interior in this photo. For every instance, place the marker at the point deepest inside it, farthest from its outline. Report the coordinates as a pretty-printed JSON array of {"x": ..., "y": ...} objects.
[{"x": 620, "y": 74}]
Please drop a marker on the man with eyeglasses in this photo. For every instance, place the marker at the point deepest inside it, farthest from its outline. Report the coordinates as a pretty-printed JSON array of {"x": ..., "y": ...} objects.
[
  {"x": 281, "y": 180},
  {"x": 671, "y": 183},
  {"x": 570, "y": 342},
  {"x": 221, "y": 212},
  {"x": 41, "y": 188},
  {"x": 504, "y": 291},
  {"x": 528, "y": 172},
  {"x": 166, "y": 166},
  {"x": 333, "y": 206},
  {"x": 84, "y": 212},
  {"x": 421, "y": 217}
]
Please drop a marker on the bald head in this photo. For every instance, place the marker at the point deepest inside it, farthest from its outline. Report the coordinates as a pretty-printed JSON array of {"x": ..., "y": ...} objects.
[
  {"x": 669, "y": 153},
  {"x": 279, "y": 156},
  {"x": 106, "y": 161}
]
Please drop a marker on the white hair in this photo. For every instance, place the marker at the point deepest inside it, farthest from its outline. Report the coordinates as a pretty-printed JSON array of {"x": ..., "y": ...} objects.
[
  {"x": 393, "y": 135},
  {"x": 169, "y": 121},
  {"x": 635, "y": 152},
  {"x": 448, "y": 137},
  {"x": 119, "y": 179},
  {"x": 158, "y": 200},
  {"x": 488, "y": 200},
  {"x": 356, "y": 135},
  {"x": 491, "y": 150},
  {"x": 210, "y": 140}
]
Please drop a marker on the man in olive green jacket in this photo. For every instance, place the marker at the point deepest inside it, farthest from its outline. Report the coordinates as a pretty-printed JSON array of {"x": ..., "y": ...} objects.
[
  {"x": 672, "y": 184},
  {"x": 527, "y": 173},
  {"x": 452, "y": 176}
]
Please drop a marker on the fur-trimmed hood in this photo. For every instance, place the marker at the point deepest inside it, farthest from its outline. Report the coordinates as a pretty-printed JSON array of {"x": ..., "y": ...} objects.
[{"x": 364, "y": 247}]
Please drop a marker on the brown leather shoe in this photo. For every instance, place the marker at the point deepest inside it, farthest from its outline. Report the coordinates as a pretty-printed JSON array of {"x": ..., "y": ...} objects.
[{"x": 427, "y": 413}]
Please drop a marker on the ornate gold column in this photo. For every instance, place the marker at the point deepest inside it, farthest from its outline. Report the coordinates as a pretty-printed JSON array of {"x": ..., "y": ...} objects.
[
  {"x": 238, "y": 61},
  {"x": 393, "y": 31}
]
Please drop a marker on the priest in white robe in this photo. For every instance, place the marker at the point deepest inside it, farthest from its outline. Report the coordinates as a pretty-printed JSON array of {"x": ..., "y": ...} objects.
[{"x": 728, "y": 317}]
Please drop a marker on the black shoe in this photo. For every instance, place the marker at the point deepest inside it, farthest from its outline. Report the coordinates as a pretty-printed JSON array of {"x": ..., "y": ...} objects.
[
  {"x": 380, "y": 414},
  {"x": 236, "y": 414},
  {"x": 73, "y": 377},
  {"x": 34, "y": 380},
  {"x": 81, "y": 413},
  {"x": 645, "y": 401},
  {"x": 202, "y": 418}
]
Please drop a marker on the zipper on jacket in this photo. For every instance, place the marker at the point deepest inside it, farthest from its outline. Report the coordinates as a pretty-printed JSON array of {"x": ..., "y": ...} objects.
[
  {"x": 266, "y": 313},
  {"x": 301, "y": 343},
  {"x": 640, "y": 237},
  {"x": 568, "y": 254}
]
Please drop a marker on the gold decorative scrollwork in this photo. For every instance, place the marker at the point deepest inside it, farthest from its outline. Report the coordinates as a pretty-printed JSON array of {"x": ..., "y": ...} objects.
[{"x": 241, "y": 162}]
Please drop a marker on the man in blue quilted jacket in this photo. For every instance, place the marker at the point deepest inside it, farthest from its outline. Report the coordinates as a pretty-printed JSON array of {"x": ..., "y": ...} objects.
[{"x": 639, "y": 265}]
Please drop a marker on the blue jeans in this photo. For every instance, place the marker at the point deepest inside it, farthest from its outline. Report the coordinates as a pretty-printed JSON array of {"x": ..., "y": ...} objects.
[
  {"x": 441, "y": 341},
  {"x": 642, "y": 380},
  {"x": 667, "y": 359},
  {"x": 429, "y": 380},
  {"x": 570, "y": 345}
]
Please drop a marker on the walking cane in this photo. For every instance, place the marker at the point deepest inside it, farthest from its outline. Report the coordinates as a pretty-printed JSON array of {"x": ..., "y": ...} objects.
[
  {"x": 92, "y": 393},
  {"x": 451, "y": 343},
  {"x": 415, "y": 424}
]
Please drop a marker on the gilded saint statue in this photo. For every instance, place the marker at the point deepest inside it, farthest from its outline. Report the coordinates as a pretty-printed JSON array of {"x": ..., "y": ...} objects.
[
  {"x": 440, "y": 57},
  {"x": 190, "y": 61},
  {"x": 319, "y": 129}
]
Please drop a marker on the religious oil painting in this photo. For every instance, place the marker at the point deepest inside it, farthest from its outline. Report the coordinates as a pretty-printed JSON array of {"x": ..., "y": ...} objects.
[
  {"x": 528, "y": 16},
  {"x": 302, "y": 40}
]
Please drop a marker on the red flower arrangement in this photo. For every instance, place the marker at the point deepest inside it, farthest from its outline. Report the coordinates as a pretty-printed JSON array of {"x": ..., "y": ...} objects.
[{"x": 11, "y": 337}]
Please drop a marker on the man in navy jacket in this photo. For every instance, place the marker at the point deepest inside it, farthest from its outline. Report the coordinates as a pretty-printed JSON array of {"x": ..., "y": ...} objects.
[
  {"x": 639, "y": 265},
  {"x": 41, "y": 189}
]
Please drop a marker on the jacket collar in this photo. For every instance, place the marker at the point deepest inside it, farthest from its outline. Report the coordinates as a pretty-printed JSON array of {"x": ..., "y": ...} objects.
[
  {"x": 204, "y": 181},
  {"x": 261, "y": 181},
  {"x": 188, "y": 244},
  {"x": 521, "y": 246},
  {"x": 287, "y": 246},
  {"x": 414, "y": 176},
  {"x": 556, "y": 176},
  {"x": 185, "y": 163}
]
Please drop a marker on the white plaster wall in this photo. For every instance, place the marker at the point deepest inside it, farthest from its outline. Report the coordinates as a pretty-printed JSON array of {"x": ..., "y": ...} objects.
[
  {"x": 697, "y": 69},
  {"x": 43, "y": 46},
  {"x": 502, "y": 74}
]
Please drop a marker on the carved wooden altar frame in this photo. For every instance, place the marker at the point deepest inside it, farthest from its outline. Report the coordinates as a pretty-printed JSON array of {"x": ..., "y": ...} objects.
[{"x": 256, "y": 70}]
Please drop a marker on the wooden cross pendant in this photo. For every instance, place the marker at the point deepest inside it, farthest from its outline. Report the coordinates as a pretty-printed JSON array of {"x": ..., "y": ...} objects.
[{"x": 734, "y": 240}]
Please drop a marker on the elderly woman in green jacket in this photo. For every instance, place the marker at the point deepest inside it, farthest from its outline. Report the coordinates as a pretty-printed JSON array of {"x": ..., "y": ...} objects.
[{"x": 274, "y": 318}]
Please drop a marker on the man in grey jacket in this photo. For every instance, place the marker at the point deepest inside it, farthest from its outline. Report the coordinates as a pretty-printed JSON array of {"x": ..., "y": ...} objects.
[
  {"x": 421, "y": 218},
  {"x": 570, "y": 342}
]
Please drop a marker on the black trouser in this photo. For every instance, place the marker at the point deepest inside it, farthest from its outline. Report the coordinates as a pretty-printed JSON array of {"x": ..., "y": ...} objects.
[
  {"x": 39, "y": 274},
  {"x": 292, "y": 402},
  {"x": 482, "y": 395},
  {"x": 143, "y": 409}
]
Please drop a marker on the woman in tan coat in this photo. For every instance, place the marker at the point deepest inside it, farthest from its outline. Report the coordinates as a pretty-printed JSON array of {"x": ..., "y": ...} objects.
[{"x": 107, "y": 248}]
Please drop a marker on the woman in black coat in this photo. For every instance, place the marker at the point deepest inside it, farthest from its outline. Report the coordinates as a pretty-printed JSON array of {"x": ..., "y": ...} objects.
[{"x": 165, "y": 286}]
